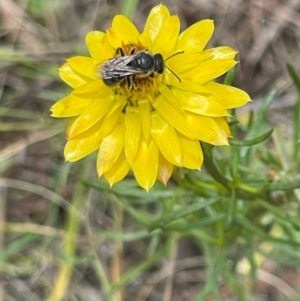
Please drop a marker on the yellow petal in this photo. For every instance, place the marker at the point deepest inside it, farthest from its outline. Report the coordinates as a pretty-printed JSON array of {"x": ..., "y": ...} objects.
[
  {"x": 166, "y": 139},
  {"x": 208, "y": 70},
  {"x": 221, "y": 53},
  {"x": 83, "y": 144},
  {"x": 165, "y": 169},
  {"x": 172, "y": 115},
  {"x": 199, "y": 104},
  {"x": 224, "y": 125},
  {"x": 184, "y": 83},
  {"x": 179, "y": 61},
  {"x": 83, "y": 65},
  {"x": 89, "y": 141},
  {"x": 111, "y": 147},
  {"x": 158, "y": 15},
  {"x": 115, "y": 38},
  {"x": 184, "y": 61},
  {"x": 169, "y": 95},
  {"x": 132, "y": 134},
  {"x": 70, "y": 124},
  {"x": 70, "y": 105},
  {"x": 119, "y": 37},
  {"x": 166, "y": 38},
  {"x": 114, "y": 114},
  {"x": 71, "y": 77},
  {"x": 125, "y": 28},
  {"x": 192, "y": 156},
  {"x": 229, "y": 97},
  {"x": 145, "y": 166},
  {"x": 206, "y": 129},
  {"x": 94, "y": 113},
  {"x": 118, "y": 171},
  {"x": 94, "y": 87},
  {"x": 196, "y": 36},
  {"x": 144, "y": 108},
  {"x": 98, "y": 46},
  {"x": 145, "y": 40}
]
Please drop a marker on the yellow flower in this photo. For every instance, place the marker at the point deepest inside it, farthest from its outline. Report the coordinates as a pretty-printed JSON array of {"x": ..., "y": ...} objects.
[{"x": 151, "y": 120}]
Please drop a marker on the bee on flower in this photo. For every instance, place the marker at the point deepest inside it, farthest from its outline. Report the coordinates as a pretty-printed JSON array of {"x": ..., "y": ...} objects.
[{"x": 145, "y": 100}]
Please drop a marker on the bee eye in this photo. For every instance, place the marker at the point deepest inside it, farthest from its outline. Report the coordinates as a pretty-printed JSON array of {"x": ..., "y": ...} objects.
[{"x": 158, "y": 63}]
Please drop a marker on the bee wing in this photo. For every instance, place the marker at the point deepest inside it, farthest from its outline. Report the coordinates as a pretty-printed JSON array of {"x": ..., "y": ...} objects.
[{"x": 117, "y": 67}]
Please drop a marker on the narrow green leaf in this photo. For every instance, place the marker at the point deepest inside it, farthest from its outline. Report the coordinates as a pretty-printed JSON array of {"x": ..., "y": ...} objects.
[
  {"x": 230, "y": 76},
  {"x": 129, "y": 7},
  {"x": 134, "y": 272},
  {"x": 230, "y": 210},
  {"x": 184, "y": 226},
  {"x": 294, "y": 76},
  {"x": 142, "y": 217},
  {"x": 277, "y": 257},
  {"x": 17, "y": 246},
  {"x": 280, "y": 185},
  {"x": 241, "y": 220},
  {"x": 251, "y": 120},
  {"x": 182, "y": 212},
  {"x": 261, "y": 115},
  {"x": 253, "y": 141},
  {"x": 296, "y": 138},
  {"x": 250, "y": 255},
  {"x": 233, "y": 123},
  {"x": 263, "y": 186},
  {"x": 131, "y": 189},
  {"x": 211, "y": 166}
]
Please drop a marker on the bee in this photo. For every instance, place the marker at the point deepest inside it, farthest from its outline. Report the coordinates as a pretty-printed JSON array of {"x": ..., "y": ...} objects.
[{"x": 143, "y": 63}]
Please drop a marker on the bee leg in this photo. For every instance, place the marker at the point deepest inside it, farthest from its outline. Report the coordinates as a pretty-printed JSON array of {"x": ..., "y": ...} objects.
[
  {"x": 128, "y": 80},
  {"x": 120, "y": 52},
  {"x": 135, "y": 82},
  {"x": 132, "y": 50}
]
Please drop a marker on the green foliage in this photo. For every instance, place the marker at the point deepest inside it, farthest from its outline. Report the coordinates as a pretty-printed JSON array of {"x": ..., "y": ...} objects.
[
  {"x": 62, "y": 230},
  {"x": 231, "y": 210}
]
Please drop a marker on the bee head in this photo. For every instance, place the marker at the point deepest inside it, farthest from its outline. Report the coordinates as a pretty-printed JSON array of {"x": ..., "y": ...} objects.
[{"x": 158, "y": 63}]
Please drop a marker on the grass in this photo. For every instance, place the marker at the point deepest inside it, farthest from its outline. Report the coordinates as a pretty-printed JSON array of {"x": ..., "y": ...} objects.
[{"x": 229, "y": 232}]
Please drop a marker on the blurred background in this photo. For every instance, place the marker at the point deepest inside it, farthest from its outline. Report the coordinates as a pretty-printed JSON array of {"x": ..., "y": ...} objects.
[{"x": 37, "y": 186}]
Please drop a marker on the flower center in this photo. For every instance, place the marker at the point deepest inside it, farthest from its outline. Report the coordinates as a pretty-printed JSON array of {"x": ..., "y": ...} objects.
[{"x": 140, "y": 72}]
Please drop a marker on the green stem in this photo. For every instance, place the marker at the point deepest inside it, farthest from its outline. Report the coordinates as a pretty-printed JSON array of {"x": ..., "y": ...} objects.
[{"x": 211, "y": 166}]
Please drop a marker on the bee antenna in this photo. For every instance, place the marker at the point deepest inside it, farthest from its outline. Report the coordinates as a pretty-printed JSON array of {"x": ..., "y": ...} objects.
[
  {"x": 180, "y": 52},
  {"x": 174, "y": 73}
]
